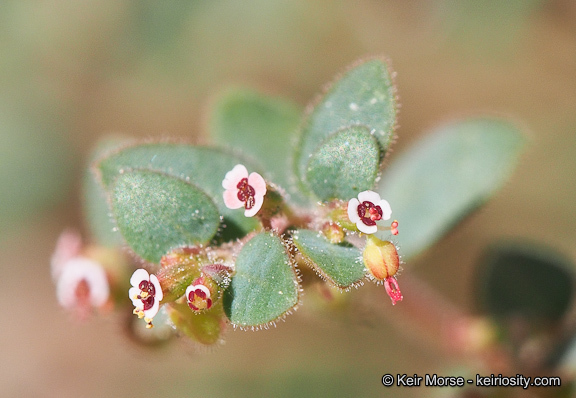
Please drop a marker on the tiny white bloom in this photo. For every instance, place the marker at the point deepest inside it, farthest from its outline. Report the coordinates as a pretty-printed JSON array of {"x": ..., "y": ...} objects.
[
  {"x": 198, "y": 297},
  {"x": 146, "y": 294},
  {"x": 82, "y": 279},
  {"x": 368, "y": 209},
  {"x": 243, "y": 190}
]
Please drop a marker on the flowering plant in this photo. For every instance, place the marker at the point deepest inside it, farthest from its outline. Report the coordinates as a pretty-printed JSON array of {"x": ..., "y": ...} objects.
[{"x": 226, "y": 234}]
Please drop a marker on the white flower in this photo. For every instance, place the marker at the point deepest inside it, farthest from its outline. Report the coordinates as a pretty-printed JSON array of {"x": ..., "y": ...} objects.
[
  {"x": 198, "y": 297},
  {"x": 368, "y": 209},
  {"x": 243, "y": 190},
  {"x": 82, "y": 283},
  {"x": 146, "y": 294}
]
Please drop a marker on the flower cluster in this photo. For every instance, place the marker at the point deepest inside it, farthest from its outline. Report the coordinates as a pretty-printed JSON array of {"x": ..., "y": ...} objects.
[
  {"x": 199, "y": 295},
  {"x": 243, "y": 190},
  {"x": 146, "y": 294},
  {"x": 380, "y": 257},
  {"x": 367, "y": 210},
  {"x": 82, "y": 283}
]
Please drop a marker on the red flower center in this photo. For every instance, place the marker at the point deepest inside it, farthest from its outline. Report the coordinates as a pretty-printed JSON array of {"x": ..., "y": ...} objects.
[
  {"x": 246, "y": 193},
  {"x": 369, "y": 213},
  {"x": 148, "y": 288},
  {"x": 198, "y": 301}
]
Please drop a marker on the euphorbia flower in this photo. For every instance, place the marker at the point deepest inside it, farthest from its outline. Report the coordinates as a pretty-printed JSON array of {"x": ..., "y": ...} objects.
[
  {"x": 146, "y": 294},
  {"x": 81, "y": 283},
  {"x": 382, "y": 261},
  {"x": 199, "y": 295},
  {"x": 368, "y": 209},
  {"x": 243, "y": 190}
]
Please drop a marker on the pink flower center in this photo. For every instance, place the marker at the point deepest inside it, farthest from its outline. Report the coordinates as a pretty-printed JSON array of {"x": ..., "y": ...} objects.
[
  {"x": 198, "y": 301},
  {"x": 369, "y": 213},
  {"x": 147, "y": 294},
  {"x": 246, "y": 193}
]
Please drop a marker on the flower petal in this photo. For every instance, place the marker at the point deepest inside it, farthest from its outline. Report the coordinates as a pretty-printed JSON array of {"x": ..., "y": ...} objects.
[
  {"x": 99, "y": 288},
  {"x": 68, "y": 246},
  {"x": 231, "y": 199},
  {"x": 386, "y": 209},
  {"x": 188, "y": 290},
  {"x": 257, "y": 182},
  {"x": 367, "y": 229},
  {"x": 258, "y": 201},
  {"x": 138, "y": 276},
  {"x": 159, "y": 295},
  {"x": 369, "y": 196},
  {"x": 234, "y": 176},
  {"x": 353, "y": 210},
  {"x": 204, "y": 289},
  {"x": 133, "y": 294}
]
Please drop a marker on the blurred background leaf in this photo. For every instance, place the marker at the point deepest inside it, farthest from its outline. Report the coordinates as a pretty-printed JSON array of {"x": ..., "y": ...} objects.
[
  {"x": 447, "y": 174},
  {"x": 525, "y": 280}
]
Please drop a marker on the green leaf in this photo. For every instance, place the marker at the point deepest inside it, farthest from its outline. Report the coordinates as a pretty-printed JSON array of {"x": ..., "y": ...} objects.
[
  {"x": 260, "y": 126},
  {"x": 204, "y": 167},
  {"x": 264, "y": 287},
  {"x": 345, "y": 164},
  {"x": 156, "y": 212},
  {"x": 341, "y": 265},
  {"x": 523, "y": 279},
  {"x": 205, "y": 328},
  {"x": 364, "y": 95},
  {"x": 446, "y": 175},
  {"x": 97, "y": 210}
]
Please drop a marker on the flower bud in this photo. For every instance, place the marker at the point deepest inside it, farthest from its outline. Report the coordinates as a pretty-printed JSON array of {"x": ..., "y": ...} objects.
[
  {"x": 381, "y": 258},
  {"x": 333, "y": 232}
]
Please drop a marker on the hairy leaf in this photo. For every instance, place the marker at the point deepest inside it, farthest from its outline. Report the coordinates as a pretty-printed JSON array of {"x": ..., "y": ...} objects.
[
  {"x": 264, "y": 287},
  {"x": 345, "y": 164},
  {"x": 364, "y": 95},
  {"x": 339, "y": 264},
  {"x": 156, "y": 212},
  {"x": 204, "y": 167}
]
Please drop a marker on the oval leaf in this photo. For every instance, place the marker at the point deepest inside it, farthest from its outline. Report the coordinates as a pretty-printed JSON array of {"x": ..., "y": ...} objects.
[
  {"x": 204, "y": 167},
  {"x": 341, "y": 265},
  {"x": 345, "y": 164},
  {"x": 525, "y": 280},
  {"x": 156, "y": 213},
  {"x": 260, "y": 126},
  {"x": 264, "y": 287},
  {"x": 96, "y": 207},
  {"x": 363, "y": 95},
  {"x": 446, "y": 175}
]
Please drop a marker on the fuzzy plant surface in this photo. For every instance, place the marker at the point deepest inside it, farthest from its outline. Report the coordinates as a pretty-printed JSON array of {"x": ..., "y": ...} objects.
[{"x": 228, "y": 233}]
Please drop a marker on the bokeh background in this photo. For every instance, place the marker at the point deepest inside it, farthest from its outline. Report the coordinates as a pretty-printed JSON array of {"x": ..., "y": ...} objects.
[{"x": 71, "y": 72}]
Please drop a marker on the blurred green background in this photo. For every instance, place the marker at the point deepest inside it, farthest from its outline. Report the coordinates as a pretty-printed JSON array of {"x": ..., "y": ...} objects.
[{"x": 71, "y": 72}]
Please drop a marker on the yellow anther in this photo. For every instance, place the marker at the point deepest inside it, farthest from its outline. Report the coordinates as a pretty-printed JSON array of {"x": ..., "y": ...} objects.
[{"x": 143, "y": 295}]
